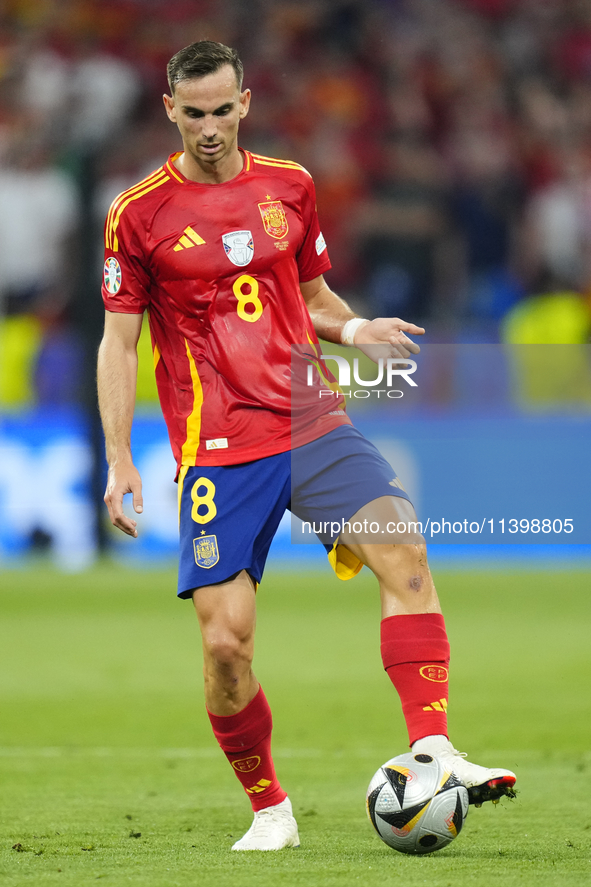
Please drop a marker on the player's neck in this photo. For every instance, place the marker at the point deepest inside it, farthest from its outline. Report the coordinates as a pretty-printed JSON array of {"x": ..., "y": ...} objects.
[{"x": 224, "y": 170}]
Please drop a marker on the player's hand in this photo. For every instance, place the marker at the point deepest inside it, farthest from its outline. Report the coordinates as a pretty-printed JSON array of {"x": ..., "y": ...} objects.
[
  {"x": 123, "y": 478},
  {"x": 391, "y": 334}
]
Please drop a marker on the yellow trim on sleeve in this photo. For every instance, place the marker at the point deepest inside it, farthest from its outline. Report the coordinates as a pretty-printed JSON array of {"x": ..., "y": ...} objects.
[
  {"x": 114, "y": 241},
  {"x": 273, "y": 161},
  {"x": 121, "y": 197}
]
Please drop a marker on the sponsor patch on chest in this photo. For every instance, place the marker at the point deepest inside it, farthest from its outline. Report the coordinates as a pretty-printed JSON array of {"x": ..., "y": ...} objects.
[{"x": 239, "y": 247}]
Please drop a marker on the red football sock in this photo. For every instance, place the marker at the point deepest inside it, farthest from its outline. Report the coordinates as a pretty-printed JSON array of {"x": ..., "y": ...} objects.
[
  {"x": 415, "y": 653},
  {"x": 245, "y": 739}
]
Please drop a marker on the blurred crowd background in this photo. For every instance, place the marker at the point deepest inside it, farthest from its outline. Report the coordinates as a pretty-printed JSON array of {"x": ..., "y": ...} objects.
[{"x": 450, "y": 143}]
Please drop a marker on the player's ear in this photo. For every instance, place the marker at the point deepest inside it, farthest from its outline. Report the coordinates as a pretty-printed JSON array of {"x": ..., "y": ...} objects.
[
  {"x": 170, "y": 108},
  {"x": 244, "y": 103}
]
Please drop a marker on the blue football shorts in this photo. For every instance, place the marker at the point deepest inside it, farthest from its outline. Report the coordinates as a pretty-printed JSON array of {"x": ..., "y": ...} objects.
[{"x": 229, "y": 514}]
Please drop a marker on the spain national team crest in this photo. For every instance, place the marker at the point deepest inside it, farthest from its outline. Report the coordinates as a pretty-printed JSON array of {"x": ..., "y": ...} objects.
[
  {"x": 239, "y": 247},
  {"x": 247, "y": 765},
  {"x": 436, "y": 673},
  {"x": 274, "y": 218},
  {"x": 206, "y": 551}
]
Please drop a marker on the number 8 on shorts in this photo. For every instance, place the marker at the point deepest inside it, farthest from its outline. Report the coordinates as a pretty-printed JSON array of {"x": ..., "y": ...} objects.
[{"x": 206, "y": 500}]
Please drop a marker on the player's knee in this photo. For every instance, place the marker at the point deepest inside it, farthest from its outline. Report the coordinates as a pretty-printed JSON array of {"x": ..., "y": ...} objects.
[
  {"x": 416, "y": 556},
  {"x": 227, "y": 651},
  {"x": 408, "y": 563},
  {"x": 408, "y": 557}
]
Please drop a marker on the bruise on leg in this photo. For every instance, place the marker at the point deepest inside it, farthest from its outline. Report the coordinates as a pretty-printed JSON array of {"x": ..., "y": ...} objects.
[{"x": 416, "y": 582}]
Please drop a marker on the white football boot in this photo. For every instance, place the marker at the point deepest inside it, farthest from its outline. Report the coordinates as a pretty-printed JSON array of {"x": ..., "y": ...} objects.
[
  {"x": 273, "y": 828},
  {"x": 483, "y": 783}
]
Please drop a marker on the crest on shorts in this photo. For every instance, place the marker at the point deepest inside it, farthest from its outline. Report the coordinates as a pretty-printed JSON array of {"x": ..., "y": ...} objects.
[
  {"x": 206, "y": 551},
  {"x": 274, "y": 218},
  {"x": 239, "y": 247}
]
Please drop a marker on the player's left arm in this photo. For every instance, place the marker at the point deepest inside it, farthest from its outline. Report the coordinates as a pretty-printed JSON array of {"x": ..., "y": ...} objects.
[{"x": 330, "y": 313}]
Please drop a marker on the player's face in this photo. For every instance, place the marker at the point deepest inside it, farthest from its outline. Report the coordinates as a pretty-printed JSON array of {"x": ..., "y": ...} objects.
[{"x": 208, "y": 111}]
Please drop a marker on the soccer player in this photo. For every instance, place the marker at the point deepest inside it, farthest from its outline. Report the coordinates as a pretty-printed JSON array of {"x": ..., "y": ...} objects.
[{"x": 223, "y": 248}]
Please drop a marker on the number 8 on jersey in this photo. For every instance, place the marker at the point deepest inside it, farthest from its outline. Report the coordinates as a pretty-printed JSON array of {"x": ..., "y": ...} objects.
[{"x": 248, "y": 298}]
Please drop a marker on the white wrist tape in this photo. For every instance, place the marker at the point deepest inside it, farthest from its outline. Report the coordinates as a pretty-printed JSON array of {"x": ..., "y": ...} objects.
[{"x": 350, "y": 328}]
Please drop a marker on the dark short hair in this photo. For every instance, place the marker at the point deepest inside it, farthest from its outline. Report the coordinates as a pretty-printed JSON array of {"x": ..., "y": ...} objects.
[{"x": 202, "y": 58}]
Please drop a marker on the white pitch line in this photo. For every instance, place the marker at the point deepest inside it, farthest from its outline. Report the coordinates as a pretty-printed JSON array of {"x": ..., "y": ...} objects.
[{"x": 189, "y": 753}]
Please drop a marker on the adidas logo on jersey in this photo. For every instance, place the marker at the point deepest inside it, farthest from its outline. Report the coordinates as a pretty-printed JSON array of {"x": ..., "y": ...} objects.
[
  {"x": 439, "y": 705},
  {"x": 189, "y": 239}
]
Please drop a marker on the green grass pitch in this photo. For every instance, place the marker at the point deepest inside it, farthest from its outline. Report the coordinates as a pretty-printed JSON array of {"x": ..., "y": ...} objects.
[{"x": 108, "y": 770}]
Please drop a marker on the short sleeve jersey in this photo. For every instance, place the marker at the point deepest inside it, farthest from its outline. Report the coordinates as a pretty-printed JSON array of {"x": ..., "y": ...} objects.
[{"x": 218, "y": 269}]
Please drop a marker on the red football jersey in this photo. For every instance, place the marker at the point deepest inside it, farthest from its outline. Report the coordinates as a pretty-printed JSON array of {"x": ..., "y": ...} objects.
[{"x": 218, "y": 268}]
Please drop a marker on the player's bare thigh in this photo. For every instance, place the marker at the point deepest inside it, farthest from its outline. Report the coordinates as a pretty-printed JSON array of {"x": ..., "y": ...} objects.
[
  {"x": 389, "y": 520},
  {"x": 227, "y": 609},
  {"x": 385, "y": 536}
]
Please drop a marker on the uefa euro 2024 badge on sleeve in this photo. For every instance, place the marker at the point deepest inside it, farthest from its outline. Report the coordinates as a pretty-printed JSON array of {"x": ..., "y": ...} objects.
[{"x": 112, "y": 275}]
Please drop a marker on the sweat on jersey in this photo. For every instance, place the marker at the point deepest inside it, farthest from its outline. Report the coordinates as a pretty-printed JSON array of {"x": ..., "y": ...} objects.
[{"x": 218, "y": 269}]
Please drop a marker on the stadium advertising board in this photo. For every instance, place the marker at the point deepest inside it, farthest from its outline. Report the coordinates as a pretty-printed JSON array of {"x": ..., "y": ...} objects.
[{"x": 490, "y": 443}]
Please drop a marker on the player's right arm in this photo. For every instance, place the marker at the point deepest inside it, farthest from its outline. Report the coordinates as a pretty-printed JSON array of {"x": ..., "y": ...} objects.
[{"x": 116, "y": 379}]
